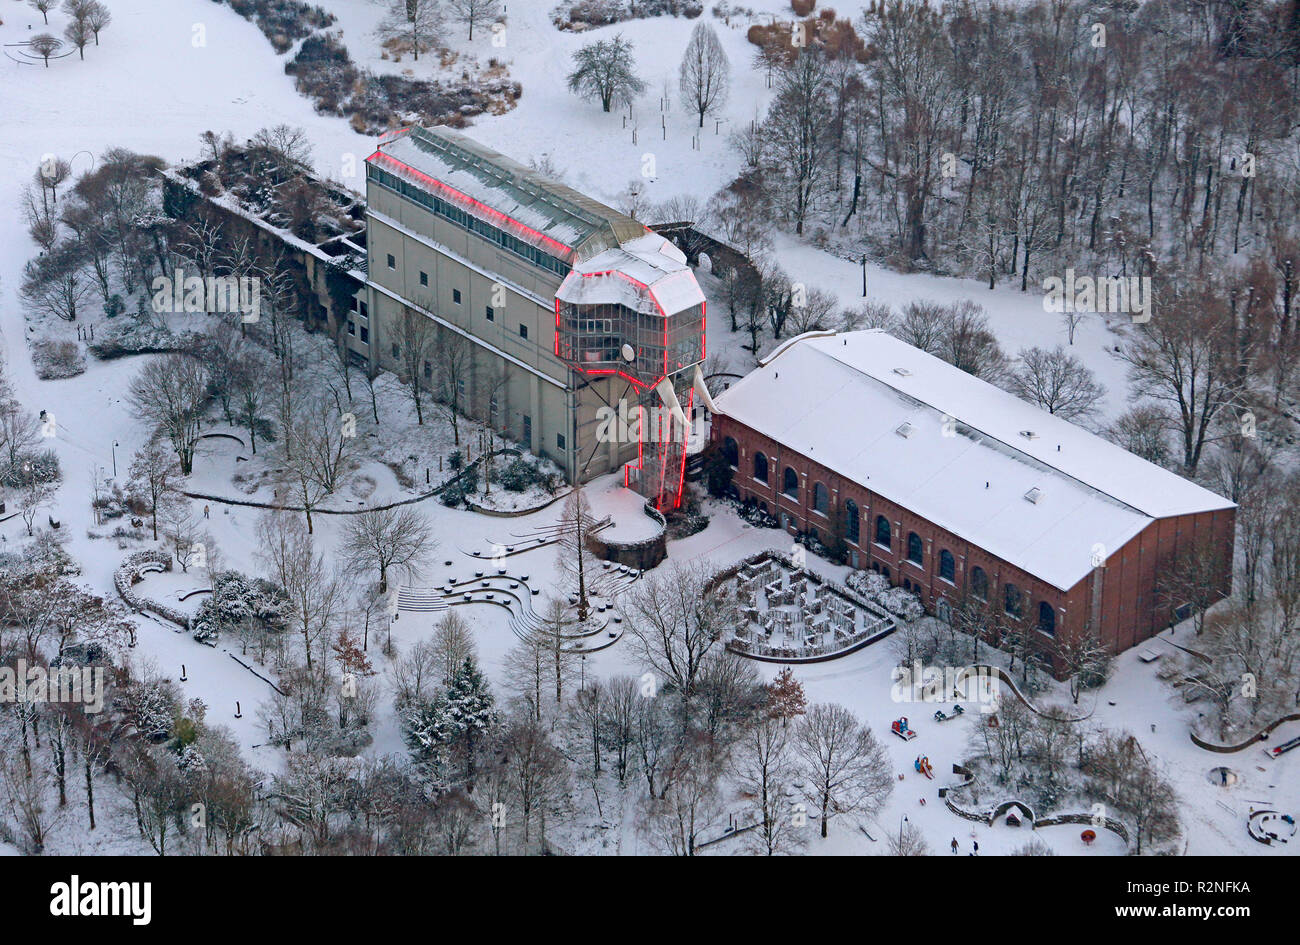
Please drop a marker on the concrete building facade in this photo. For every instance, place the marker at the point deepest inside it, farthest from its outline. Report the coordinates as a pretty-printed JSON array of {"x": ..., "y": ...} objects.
[{"x": 482, "y": 246}]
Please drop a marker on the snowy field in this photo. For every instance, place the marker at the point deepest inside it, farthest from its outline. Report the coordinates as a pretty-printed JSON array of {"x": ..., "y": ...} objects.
[{"x": 150, "y": 89}]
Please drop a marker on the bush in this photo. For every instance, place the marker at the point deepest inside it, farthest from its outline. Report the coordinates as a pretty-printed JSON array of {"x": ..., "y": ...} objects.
[
  {"x": 36, "y": 466},
  {"x": 235, "y": 599},
  {"x": 54, "y": 360},
  {"x": 802, "y": 7},
  {"x": 521, "y": 475}
]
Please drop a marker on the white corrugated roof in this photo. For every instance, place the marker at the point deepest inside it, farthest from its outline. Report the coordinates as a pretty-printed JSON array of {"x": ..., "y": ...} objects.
[{"x": 841, "y": 399}]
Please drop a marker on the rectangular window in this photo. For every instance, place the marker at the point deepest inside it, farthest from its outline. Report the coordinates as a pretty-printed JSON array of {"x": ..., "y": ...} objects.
[
  {"x": 397, "y": 351},
  {"x": 523, "y": 331},
  {"x": 424, "y": 278},
  {"x": 460, "y": 387},
  {"x": 559, "y": 441},
  {"x": 392, "y": 261},
  {"x": 428, "y": 371},
  {"x": 528, "y": 430},
  {"x": 352, "y": 327},
  {"x": 365, "y": 310},
  {"x": 491, "y": 315},
  {"x": 365, "y": 335},
  {"x": 455, "y": 296}
]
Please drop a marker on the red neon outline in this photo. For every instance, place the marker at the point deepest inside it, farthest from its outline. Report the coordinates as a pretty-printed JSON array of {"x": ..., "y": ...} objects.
[{"x": 494, "y": 216}]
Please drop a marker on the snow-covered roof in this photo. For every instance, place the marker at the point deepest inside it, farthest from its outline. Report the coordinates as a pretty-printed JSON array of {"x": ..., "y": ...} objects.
[
  {"x": 438, "y": 156},
  {"x": 1026, "y": 486},
  {"x": 646, "y": 274}
]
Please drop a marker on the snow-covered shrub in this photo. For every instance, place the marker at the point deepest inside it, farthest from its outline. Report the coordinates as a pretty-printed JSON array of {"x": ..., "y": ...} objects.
[
  {"x": 35, "y": 466},
  {"x": 236, "y": 598},
  {"x": 521, "y": 475},
  {"x": 137, "y": 337},
  {"x": 54, "y": 360},
  {"x": 867, "y": 583},
  {"x": 42, "y": 556},
  {"x": 153, "y": 707},
  {"x": 903, "y": 604}
]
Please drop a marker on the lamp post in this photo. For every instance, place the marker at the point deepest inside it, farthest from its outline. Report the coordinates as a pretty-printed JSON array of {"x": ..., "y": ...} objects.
[
  {"x": 864, "y": 275},
  {"x": 115, "y": 446}
]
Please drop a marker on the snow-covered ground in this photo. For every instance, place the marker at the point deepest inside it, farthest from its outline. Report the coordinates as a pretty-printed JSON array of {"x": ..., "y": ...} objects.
[{"x": 150, "y": 88}]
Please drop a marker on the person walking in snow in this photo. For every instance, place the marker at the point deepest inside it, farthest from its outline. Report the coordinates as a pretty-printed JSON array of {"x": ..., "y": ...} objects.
[
  {"x": 977, "y": 848},
  {"x": 954, "y": 846},
  {"x": 205, "y": 511}
]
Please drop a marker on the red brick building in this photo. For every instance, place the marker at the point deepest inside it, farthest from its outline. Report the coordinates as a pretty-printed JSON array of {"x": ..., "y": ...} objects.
[{"x": 961, "y": 491}]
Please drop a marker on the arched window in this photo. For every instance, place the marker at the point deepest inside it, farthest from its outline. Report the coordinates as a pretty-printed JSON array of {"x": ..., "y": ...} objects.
[
  {"x": 1013, "y": 601},
  {"x": 852, "y": 530},
  {"x": 915, "y": 550},
  {"x": 790, "y": 484},
  {"x": 821, "y": 499},
  {"x": 731, "y": 452},
  {"x": 882, "y": 531},
  {"x": 885, "y": 571},
  {"x": 760, "y": 467},
  {"x": 1046, "y": 618},
  {"x": 979, "y": 583},
  {"x": 947, "y": 565}
]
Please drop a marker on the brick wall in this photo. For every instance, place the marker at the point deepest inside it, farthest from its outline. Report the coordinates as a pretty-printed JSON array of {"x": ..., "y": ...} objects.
[{"x": 1128, "y": 611}]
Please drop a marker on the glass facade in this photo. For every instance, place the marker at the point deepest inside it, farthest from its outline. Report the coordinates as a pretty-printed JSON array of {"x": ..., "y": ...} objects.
[
  {"x": 591, "y": 338},
  {"x": 467, "y": 221}
]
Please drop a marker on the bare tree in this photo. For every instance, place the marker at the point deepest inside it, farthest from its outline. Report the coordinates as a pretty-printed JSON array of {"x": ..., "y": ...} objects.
[
  {"x": 1086, "y": 659},
  {"x": 416, "y": 22},
  {"x": 77, "y": 32},
  {"x": 20, "y": 432},
  {"x": 45, "y": 46},
  {"x": 454, "y": 362},
  {"x": 675, "y": 619},
  {"x": 475, "y": 12},
  {"x": 170, "y": 394},
  {"x": 1178, "y": 360},
  {"x": 847, "y": 769},
  {"x": 1057, "y": 382},
  {"x": 910, "y": 841},
  {"x": 43, "y": 7},
  {"x": 317, "y": 450},
  {"x": 705, "y": 73},
  {"x": 536, "y": 772},
  {"x": 799, "y": 134},
  {"x": 315, "y": 590},
  {"x": 689, "y": 802},
  {"x": 387, "y": 539},
  {"x": 416, "y": 335},
  {"x": 452, "y": 644},
  {"x": 153, "y": 470},
  {"x": 764, "y": 769},
  {"x": 55, "y": 284},
  {"x": 606, "y": 70},
  {"x": 574, "y": 528},
  {"x": 98, "y": 18}
]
